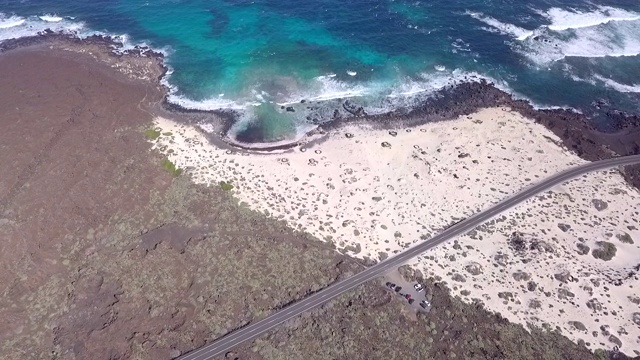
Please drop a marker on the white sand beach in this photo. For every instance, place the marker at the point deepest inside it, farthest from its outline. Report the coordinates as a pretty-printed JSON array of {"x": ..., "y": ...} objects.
[{"x": 376, "y": 192}]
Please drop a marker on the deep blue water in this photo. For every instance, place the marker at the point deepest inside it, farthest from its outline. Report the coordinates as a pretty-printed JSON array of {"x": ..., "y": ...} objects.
[{"x": 256, "y": 56}]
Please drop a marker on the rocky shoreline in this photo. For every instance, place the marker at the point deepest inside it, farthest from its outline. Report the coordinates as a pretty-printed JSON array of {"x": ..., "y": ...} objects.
[{"x": 578, "y": 134}]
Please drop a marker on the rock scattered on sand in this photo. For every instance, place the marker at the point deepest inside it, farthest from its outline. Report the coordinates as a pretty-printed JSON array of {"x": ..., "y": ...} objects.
[
  {"x": 625, "y": 238},
  {"x": 606, "y": 251},
  {"x": 564, "y": 227},
  {"x": 594, "y": 305},
  {"x": 458, "y": 277},
  {"x": 582, "y": 249},
  {"x": 578, "y": 325},
  {"x": 599, "y": 204},
  {"x": 474, "y": 268},
  {"x": 565, "y": 294},
  {"x": 521, "y": 276}
]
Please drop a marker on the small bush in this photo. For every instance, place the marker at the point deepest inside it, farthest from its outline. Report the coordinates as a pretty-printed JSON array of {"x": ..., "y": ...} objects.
[
  {"x": 606, "y": 251},
  {"x": 578, "y": 325},
  {"x": 625, "y": 238},
  {"x": 582, "y": 249},
  {"x": 171, "y": 167},
  {"x": 152, "y": 134},
  {"x": 226, "y": 186}
]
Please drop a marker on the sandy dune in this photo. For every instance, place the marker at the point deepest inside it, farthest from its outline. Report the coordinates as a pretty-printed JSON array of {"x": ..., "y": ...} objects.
[{"x": 375, "y": 192}]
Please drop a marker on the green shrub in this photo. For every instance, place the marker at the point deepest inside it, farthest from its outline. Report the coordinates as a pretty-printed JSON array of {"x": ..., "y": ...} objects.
[
  {"x": 152, "y": 134},
  {"x": 171, "y": 167},
  {"x": 226, "y": 186}
]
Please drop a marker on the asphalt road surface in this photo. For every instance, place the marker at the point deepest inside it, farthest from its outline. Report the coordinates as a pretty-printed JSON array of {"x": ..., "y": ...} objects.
[{"x": 229, "y": 341}]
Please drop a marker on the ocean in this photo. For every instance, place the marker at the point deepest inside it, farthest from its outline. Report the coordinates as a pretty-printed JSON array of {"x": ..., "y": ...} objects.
[{"x": 287, "y": 65}]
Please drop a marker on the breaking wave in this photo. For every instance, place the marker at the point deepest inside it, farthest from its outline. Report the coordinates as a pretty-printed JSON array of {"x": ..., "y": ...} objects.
[
  {"x": 14, "y": 27},
  {"x": 508, "y": 29},
  {"x": 600, "y": 32}
]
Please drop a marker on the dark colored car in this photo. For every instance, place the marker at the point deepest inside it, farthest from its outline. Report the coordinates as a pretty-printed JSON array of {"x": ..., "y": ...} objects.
[
  {"x": 407, "y": 296},
  {"x": 398, "y": 288},
  {"x": 388, "y": 284},
  {"x": 411, "y": 301}
]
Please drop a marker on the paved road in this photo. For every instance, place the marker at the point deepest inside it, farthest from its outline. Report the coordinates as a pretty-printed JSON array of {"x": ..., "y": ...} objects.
[{"x": 229, "y": 341}]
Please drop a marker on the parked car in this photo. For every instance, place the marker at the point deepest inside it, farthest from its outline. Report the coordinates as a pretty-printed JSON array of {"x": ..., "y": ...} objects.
[
  {"x": 425, "y": 304},
  {"x": 411, "y": 301},
  {"x": 418, "y": 287},
  {"x": 407, "y": 296},
  {"x": 388, "y": 284},
  {"x": 398, "y": 288}
]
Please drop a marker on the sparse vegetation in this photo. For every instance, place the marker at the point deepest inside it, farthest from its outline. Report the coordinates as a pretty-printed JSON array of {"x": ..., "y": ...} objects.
[
  {"x": 606, "y": 252},
  {"x": 582, "y": 249},
  {"x": 356, "y": 249},
  {"x": 171, "y": 167},
  {"x": 625, "y": 238},
  {"x": 226, "y": 186},
  {"x": 152, "y": 134},
  {"x": 521, "y": 276}
]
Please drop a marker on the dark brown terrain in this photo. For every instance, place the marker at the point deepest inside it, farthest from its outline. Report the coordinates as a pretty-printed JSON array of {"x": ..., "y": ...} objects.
[{"x": 107, "y": 255}]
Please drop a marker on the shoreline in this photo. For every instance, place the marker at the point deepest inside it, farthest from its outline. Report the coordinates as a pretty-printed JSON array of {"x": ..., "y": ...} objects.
[
  {"x": 560, "y": 135},
  {"x": 575, "y": 129}
]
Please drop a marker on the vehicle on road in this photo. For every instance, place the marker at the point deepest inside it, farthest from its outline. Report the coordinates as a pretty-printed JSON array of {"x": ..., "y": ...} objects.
[{"x": 418, "y": 287}]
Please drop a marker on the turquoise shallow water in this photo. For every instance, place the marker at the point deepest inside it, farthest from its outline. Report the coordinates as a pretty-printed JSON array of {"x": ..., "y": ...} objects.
[{"x": 260, "y": 56}]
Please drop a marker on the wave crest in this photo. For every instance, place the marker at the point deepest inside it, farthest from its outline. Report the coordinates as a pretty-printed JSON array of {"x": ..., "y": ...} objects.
[
  {"x": 603, "y": 31},
  {"x": 562, "y": 20}
]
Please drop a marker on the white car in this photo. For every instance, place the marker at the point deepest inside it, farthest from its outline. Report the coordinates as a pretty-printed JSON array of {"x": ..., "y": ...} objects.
[{"x": 418, "y": 287}]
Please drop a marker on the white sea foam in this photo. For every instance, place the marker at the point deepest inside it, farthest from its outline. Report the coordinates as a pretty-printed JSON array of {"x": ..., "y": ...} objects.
[
  {"x": 612, "y": 39},
  {"x": 507, "y": 29},
  {"x": 635, "y": 88},
  {"x": 206, "y": 127},
  {"x": 9, "y": 22},
  {"x": 324, "y": 88},
  {"x": 50, "y": 18},
  {"x": 562, "y": 19},
  {"x": 14, "y": 27},
  {"x": 215, "y": 103},
  {"x": 604, "y": 31},
  {"x": 352, "y": 73}
]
